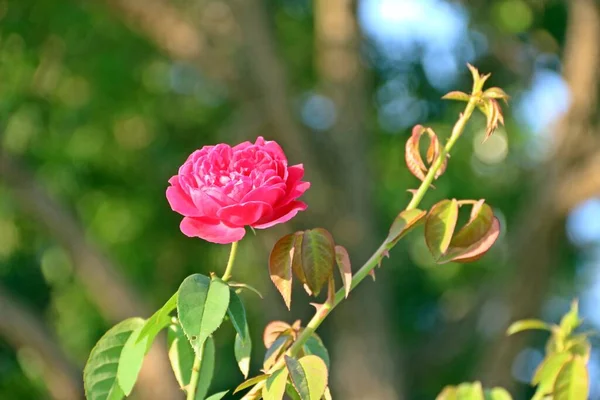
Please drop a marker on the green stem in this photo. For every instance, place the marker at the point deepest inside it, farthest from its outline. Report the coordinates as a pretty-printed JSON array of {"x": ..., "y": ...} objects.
[
  {"x": 191, "y": 389},
  {"x": 324, "y": 310},
  {"x": 229, "y": 268}
]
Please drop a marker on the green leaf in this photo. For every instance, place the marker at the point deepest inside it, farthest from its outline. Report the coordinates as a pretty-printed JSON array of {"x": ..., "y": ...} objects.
[
  {"x": 570, "y": 321},
  {"x": 439, "y": 227},
  {"x": 243, "y": 349},
  {"x": 237, "y": 314},
  {"x": 207, "y": 369},
  {"x": 309, "y": 376},
  {"x": 100, "y": 373},
  {"x": 201, "y": 305},
  {"x": 245, "y": 286},
  {"x": 404, "y": 223},
  {"x": 546, "y": 373},
  {"x": 132, "y": 357},
  {"x": 159, "y": 320},
  {"x": 318, "y": 258},
  {"x": 314, "y": 346},
  {"x": 280, "y": 267},
  {"x": 217, "y": 396},
  {"x": 343, "y": 262},
  {"x": 274, "y": 388},
  {"x": 497, "y": 394},
  {"x": 572, "y": 382},
  {"x": 250, "y": 382},
  {"x": 290, "y": 390},
  {"x": 526, "y": 325},
  {"x": 181, "y": 355}
]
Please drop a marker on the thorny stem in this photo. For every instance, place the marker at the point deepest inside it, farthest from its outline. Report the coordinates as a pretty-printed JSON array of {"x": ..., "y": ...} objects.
[
  {"x": 324, "y": 309},
  {"x": 191, "y": 389}
]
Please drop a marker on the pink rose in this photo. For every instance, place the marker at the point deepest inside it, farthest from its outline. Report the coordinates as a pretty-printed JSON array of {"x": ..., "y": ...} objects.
[{"x": 221, "y": 189}]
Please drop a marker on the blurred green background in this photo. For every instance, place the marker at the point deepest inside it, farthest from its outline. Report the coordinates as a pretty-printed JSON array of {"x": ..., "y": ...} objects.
[{"x": 101, "y": 101}]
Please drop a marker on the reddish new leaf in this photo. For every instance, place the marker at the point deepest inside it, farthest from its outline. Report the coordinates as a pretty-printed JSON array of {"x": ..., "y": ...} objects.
[
  {"x": 412, "y": 155},
  {"x": 478, "y": 249},
  {"x": 273, "y": 330},
  {"x": 280, "y": 267},
  {"x": 476, "y": 228},
  {"x": 439, "y": 227},
  {"x": 343, "y": 261},
  {"x": 404, "y": 222},
  {"x": 318, "y": 258},
  {"x": 297, "y": 259}
]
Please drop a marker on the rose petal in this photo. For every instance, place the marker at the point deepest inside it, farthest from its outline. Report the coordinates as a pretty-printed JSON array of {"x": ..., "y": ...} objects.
[
  {"x": 245, "y": 213},
  {"x": 215, "y": 233},
  {"x": 281, "y": 215},
  {"x": 207, "y": 205},
  {"x": 180, "y": 202},
  {"x": 266, "y": 194},
  {"x": 295, "y": 173}
]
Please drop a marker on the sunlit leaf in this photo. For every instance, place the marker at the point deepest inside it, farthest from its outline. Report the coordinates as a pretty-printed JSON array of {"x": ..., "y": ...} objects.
[
  {"x": 242, "y": 350},
  {"x": 546, "y": 373},
  {"x": 100, "y": 373},
  {"x": 132, "y": 357},
  {"x": 497, "y": 394},
  {"x": 456, "y": 95},
  {"x": 201, "y": 306},
  {"x": 527, "y": 325},
  {"x": 439, "y": 227},
  {"x": 496, "y": 93},
  {"x": 448, "y": 393},
  {"x": 404, "y": 223},
  {"x": 207, "y": 369},
  {"x": 217, "y": 396},
  {"x": 314, "y": 346},
  {"x": 276, "y": 350},
  {"x": 579, "y": 345},
  {"x": 250, "y": 382},
  {"x": 572, "y": 382},
  {"x": 318, "y": 258},
  {"x": 181, "y": 355},
  {"x": 308, "y": 375},
  {"x": 343, "y": 262},
  {"x": 159, "y": 320},
  {"x": 280, "y": 267},
  {"x": 274, "y": 388},
  {"x": 469, "y": 391},
  {"x": 570, "y": 321}
]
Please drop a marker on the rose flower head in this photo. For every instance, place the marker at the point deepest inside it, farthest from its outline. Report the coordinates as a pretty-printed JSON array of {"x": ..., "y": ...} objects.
[{"x": 221, "y": 189}]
